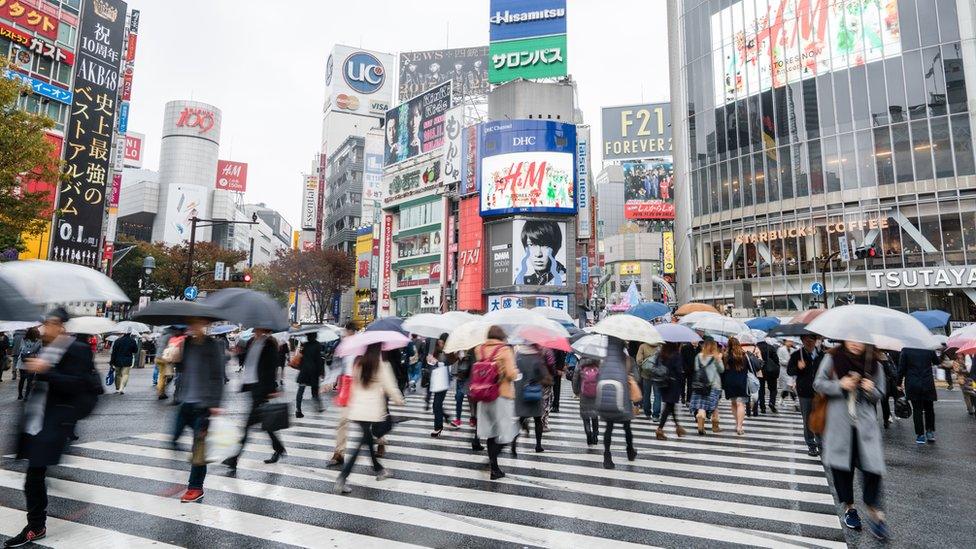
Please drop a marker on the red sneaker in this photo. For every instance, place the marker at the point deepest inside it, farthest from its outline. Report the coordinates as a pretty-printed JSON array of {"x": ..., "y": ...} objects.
[
  {"x": 191, "y": 495},
  {"x": 456, "y": 423},
  {"x": 473, "y": 422}
]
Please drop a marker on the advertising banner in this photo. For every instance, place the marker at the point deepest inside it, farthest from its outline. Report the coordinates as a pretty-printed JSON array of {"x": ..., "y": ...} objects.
[
  {"x": 511, "y": 19},
  {"x": 359, "y": 81},
  {"x": 183, "y": 203},
  {"x": 123, "y": 117},
  {"x": 649, "y": 189},
  {"x": 464, "y": 67},
  {"x": 372, "y": 176},
  {"x": 529, "y": 58},
  {"x": 81, "y": 199},
  {"x": 413, "y": 182},
  {"x": 768, "y": 45},
  {"x": 453, "y": 130},
  {"x": 527, "y": 301},
  {"x": 364, "y": 260},
  {"x": 232, "y": 176},
  {"x": 31, "y": 17},
  {"x": 310, "y": 198},
  {"x": 46, "y": 49},
  {"x": 417, "y": 125},
  {"x": 528, "y": 166},
  {"x": 469, "y": 160},
  {"x": 668, "y": 245},
  {"x": 584, "y": 221},
  {"x": 430, "y": 298},
  {"x": 387, "y": 259},
  {"x": 500, "y": 273},
  {"x": 470, "y": 259},
  {"x": 636, "y": 131},
  {"x": 43, "y": 89},
  {"x": 133, "y": 149},
  {"x": 538, "y": 252}
]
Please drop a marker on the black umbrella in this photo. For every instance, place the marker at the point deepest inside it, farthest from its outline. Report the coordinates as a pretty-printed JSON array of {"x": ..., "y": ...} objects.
[
  {"x": 794, "y": 330},
  {"x": 164, "y": 313},
  {"x": 249, "y": 308},
  {"x": 389, "y": 324},
  {"x": 14, "y": 307}
]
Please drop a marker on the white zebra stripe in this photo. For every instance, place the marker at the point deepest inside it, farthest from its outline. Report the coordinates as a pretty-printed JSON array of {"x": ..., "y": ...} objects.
[{"x": 64, "y": 533}]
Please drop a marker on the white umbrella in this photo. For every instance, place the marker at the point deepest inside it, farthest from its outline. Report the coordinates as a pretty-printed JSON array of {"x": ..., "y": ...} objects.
[
  {"x": 884, "y": 328},
  {"x": 511, "y": 319},
  {"x": 48, "y": 282},
  {"x": 13, "y": 325},
  {"x": 552, "y": 313},
  {"x": 721, "y": 325},
  {"x": 131, "y": 325},
  {"x": 467, "y": 336},
  {"x": 746, "y": 338},
  {"x": 592, "y": 345},
  {"x": 460, "y": 317},
  {"x": 89, "y": 325},
  {"x": 431, "y": 324},
  {"x": 758, "y": 334},
  {"x": 628, "y": 328},
  {"x": 691, "y": 319}
]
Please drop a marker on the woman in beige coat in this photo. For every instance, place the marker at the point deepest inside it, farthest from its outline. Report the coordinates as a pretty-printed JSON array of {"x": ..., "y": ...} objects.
[{"x": 373, "y": 385}]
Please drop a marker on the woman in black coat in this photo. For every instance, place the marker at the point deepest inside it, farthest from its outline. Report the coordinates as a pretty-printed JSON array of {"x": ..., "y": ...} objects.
[
  {"x": 915, "y": 372},
  {"x": 671, "y": 393},
  {"x": 310, "y": 371}
]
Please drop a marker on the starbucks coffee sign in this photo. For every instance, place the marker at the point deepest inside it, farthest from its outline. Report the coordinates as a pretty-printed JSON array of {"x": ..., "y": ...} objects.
[{"x": 923, "y": 278}]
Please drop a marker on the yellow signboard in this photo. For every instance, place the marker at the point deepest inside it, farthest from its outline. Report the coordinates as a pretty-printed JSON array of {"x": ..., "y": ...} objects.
[
  {"x": 668, "y": 244},
  {"x": 36, "y": 245},
  {"x": 630, "y": 268}
]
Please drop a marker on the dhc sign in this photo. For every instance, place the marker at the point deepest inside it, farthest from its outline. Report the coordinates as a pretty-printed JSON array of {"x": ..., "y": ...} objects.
[{"x": 363, "y": 72}]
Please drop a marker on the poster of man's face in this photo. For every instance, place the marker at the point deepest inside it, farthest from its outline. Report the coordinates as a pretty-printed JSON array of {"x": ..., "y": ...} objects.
[{"x": 539, "y": 252}]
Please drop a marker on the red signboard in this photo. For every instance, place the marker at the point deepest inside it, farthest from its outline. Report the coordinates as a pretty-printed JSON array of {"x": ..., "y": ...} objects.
[
  {"x": 470, "y": 259},
  {"x": 113, "y": 201},
  {"x": 232, "y": 176},
  {"x": 130, "y": 49},
  {"x": 29, "y": 17},
  {"x": 387, "y": 258},
  {"x": 648, "y": 210},
  {"x": 36, "y": 45},
  {"x": 133, "y": 149},
  {"x": 202, "y": 120},
  {"x": 125, "y": 91}
]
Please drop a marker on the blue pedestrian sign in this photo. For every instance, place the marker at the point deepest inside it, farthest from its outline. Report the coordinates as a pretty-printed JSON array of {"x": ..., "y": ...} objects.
[
  {"x": 191, "y": 293},
  {"x": 817, "y": 288}
]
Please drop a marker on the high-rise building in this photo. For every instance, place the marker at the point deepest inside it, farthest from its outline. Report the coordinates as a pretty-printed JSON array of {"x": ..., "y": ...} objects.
[{"x": 825, "y": 146}]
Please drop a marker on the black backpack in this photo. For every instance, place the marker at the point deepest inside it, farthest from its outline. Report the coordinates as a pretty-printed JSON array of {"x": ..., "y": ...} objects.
[
  {"x": 700, "y": 385},
  {"x": 660, "y": 375}
]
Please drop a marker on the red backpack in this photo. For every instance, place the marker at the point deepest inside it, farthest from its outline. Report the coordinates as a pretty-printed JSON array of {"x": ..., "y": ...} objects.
[
  {"x": 483, "y": 385},
  {"x": 589, "y": 377}
]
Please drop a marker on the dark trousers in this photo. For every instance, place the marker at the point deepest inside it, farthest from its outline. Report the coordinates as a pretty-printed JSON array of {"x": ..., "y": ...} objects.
[
  {"x": 844, "y": 480},
  {"x": 27, "y": 380},
  {"x": 300, "y": 395},
  {"x": 35, "y": 492},
  {"x": 493, "y": 450},
  {"x": 439, "y": 410},
  {"x": 886, "y": 408},
  {"x": 806, "y": 406},
  {"x": 948, "y": 376},
  {"x": 365, "y": 440},
  {"x": 198, "y": 419},
  {"x": 650, "y": 398},
  {"x": 538, "y": 430},
  {"x": 760, "y": 403},
  {"x": 557, "y": 383},
  {"x": 628, "y": 435},
  {"x": 771, "y": 383},
  {"x": 668, "y": 412},
  {"x": 688, "y": 381},
  {"x": 459, "y": 400},
  {"x": 591, "y": 426},
  {"x": 923, "y": 414},
  {"x": 254, "y": 418}
]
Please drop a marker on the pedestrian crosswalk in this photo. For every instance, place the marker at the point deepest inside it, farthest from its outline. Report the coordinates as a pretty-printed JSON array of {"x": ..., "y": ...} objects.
[{"x": 719, "y": 490}]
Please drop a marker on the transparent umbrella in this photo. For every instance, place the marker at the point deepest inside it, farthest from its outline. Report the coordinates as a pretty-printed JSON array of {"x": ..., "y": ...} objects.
[
  {"x": 691, "y": 319},
  {"x": 430, "y": 324},
  {"x": 884, "y": 328},
  {"x": 129, "y": 325},
  {"x": 628, "y": 328},
  {"x": 48, "y": 282},
  {"x": 90, "y": 325},
  {"x": 721, "y": 325},
  {"x": 467, "y": 336}
]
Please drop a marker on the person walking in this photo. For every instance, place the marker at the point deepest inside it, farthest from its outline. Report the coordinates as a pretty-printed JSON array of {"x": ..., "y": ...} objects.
[
  {"x": 412, "y": 354},
  {"x": 915, "y": 375},
  {"x": 529, "y": 389},
  {"x": 673, "y": 391},
  {"x": 890, "y": 368},
  {"x": 496, "y": 416},
  {"x": 29, "y": 348},
  {"x": 770, "y": 376},
  {"x": 803, "y": 365},
  {"x": 311, "y": 369},
  {"x": 439, "y": 383},
  {"x": 460, "y": 371},
  {"x": 852, "y": 382},
  {"x": 647, "y": 357},
  {"x": 67, "y": 391},
  {"x": 5, "y": 354},
  {"x": 173, "y": 335},
  {"x": 735, "y": 378},
  {"x": 557, "y": 384},
  {"x": 284, "y": 353},
  {"x": 946, "y": 366},
  {"x": 200, "y": 366},
  {"x": 707, "y": 385},
  {"x": 617, "y": 371},
  {"x": 688, "y": 354},
  {"x": 787, "y": 383},
  {"x": 125, "y": 350},
  {"x": 260, "y": 367},
  {"x": 342, "y": 428},
  {"x": 586, "y": 376},
  {"x": 373, "y": 385}
]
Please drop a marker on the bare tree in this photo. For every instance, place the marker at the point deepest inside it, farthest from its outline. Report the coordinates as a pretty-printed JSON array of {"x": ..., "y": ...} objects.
[{"x": 317, "y": 274}]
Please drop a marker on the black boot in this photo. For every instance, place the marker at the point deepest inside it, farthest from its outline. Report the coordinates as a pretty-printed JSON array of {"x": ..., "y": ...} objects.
[
  {"x": 607, "y": 461},
  {"x": 631, "y": 453},
  {"x": 231, "y": 463},
  {"x": 274, "y": 457}
]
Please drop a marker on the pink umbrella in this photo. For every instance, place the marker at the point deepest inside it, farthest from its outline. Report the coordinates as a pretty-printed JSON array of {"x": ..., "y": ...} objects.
[
  {"x": 544, "y": 338},
  {"x": 355, "y": 345}
]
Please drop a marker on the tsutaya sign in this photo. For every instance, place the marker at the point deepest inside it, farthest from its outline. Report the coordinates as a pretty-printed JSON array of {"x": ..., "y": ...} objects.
[
  {"x": 864, "y": 223},
  {"x": 934, "y": 277}
]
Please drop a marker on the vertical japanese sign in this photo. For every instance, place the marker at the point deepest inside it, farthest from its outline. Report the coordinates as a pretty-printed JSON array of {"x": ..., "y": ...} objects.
[
  {"x": 469, "y": 160},
  {"x": 668, "y": 252},
  {"x": 453, "y": 128},
  {"x": 81, "y": 198},
  {"x": 372, "y": 176},
  {"x": 387, "y": 258}
]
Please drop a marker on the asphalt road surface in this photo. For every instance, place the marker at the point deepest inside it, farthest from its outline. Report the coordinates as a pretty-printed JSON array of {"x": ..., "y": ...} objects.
[{"x": 119, "y": 486}]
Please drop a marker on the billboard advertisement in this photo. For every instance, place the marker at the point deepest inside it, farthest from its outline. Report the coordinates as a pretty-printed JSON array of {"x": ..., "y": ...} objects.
[
  {"x": 470, "y": 259},
  {"x": 464, "y": 67},
  {"x": 528, "y": 166},
  {"x": 768, "y": 45},
  {"x": 364, "y": 259},
  {"x": 372, "y": 176},
  {"x": 41, "y": 88},
  {"x": 636, "y": 131},
  {"x": 584, "y": 221},
  {"x": 359, "y": 81},
  {"x": 668, "y": 249},
  {"x": 527, "y": 301},
  {"x": 512, "y": 19},
  {"x": 527, "y": 252},
  {"x": 529, "y": 58},
  {"x": 134, "y": 146},
  {"x": 44, "y": 24},
  {"x": 417, "y": 125},
  {"x": 453, "y": 142},
  {"x": 649, "y": 189},
  {"x": 387, "y": 253},
  {"x": 310, "y": 199},
  {"x": 469, "y": 160},
  {"x": 414, "y": 181},
  {"x": 183, "y": 203},
  {"x": 232, "y": 176},
  {"x": 81, "y": 199},
  {"x": 38, "y": 46}
]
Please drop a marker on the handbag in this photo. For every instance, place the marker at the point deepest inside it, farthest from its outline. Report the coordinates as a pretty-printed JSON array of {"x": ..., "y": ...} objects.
[
  {"x": 295, "y": 362},
  {"x": 532, "y": 392},
  {"x": 274, "y": 416},
  {"x": 345, "y": 388},
  {"x": 110, "y": 376},
  {"x": 440, "y": 379},
  {"x": 636, "y": 395},
  {"x": 223, "y": 440},
  {"x": 817, "y": 420},
  {"x": 903, "y": 408},
  {"x": 752, "y": 384}
]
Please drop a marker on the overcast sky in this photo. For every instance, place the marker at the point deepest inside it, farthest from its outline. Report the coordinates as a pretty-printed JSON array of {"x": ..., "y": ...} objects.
[{"x": 262, "y": 63}]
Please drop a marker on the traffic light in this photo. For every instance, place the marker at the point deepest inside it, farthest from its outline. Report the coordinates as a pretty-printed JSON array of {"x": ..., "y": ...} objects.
[
  {"x": 866, "y": 252},
  {"x": 237, "y": 277}
]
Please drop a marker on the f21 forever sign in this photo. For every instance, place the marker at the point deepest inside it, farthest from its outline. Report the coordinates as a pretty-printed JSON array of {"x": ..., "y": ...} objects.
[{"x": 88, "y": 139}]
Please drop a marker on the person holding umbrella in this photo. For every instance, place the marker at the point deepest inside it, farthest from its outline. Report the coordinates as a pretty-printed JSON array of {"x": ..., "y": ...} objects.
[{"x": 311, "y": 369}]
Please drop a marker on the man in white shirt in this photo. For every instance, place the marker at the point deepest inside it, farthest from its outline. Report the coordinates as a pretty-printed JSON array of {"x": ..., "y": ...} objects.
[{"x": 787, "y": 383}]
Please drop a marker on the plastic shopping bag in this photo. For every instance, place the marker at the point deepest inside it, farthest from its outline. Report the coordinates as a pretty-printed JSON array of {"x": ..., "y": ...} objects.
[
  {"x": 440, "y": 379},
  {"x": 223, "y": 439}
]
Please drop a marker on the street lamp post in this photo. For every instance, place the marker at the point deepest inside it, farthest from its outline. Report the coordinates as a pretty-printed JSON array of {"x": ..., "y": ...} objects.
[
  {"x": 197, "y": 222},
  {"x": 823, "y": 275},
  {"x": 148, "y": 266}
]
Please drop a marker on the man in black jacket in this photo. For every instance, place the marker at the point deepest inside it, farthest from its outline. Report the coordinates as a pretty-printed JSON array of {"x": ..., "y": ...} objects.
[
  {"x": 63, "y": 394},
  {"x": 124, "y": 353},
  {"x": 260, "y": 366},
  {"x": 804, "y": 364},
  {"x": 770, "y": 379},
  {"x": 310, "y": 371}
]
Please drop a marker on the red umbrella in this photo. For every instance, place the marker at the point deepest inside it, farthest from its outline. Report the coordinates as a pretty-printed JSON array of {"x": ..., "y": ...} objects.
[
  {"x": 807, "y": 316},
  {"x": 544, "y": 338}
]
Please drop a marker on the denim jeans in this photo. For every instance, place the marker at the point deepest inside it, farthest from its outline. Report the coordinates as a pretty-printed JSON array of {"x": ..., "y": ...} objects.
[
  {"x": 413, "y": 373},
  {"x": 198, "y": 419},
  {"x": 459, "y": 394},
  {"x": 651, "y": 398}
]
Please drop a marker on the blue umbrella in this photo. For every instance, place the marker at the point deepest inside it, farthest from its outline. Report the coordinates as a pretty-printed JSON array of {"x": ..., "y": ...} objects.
[
  {"x": 649, "y": 310},
  {"x": 932, "y": 319},
  {"x": 764, "y": 323},
  {"x": 388, "y": 323}
]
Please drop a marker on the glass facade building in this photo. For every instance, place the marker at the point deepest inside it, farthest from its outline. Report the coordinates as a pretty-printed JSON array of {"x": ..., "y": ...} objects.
[{"x": 811, "y": 127}]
